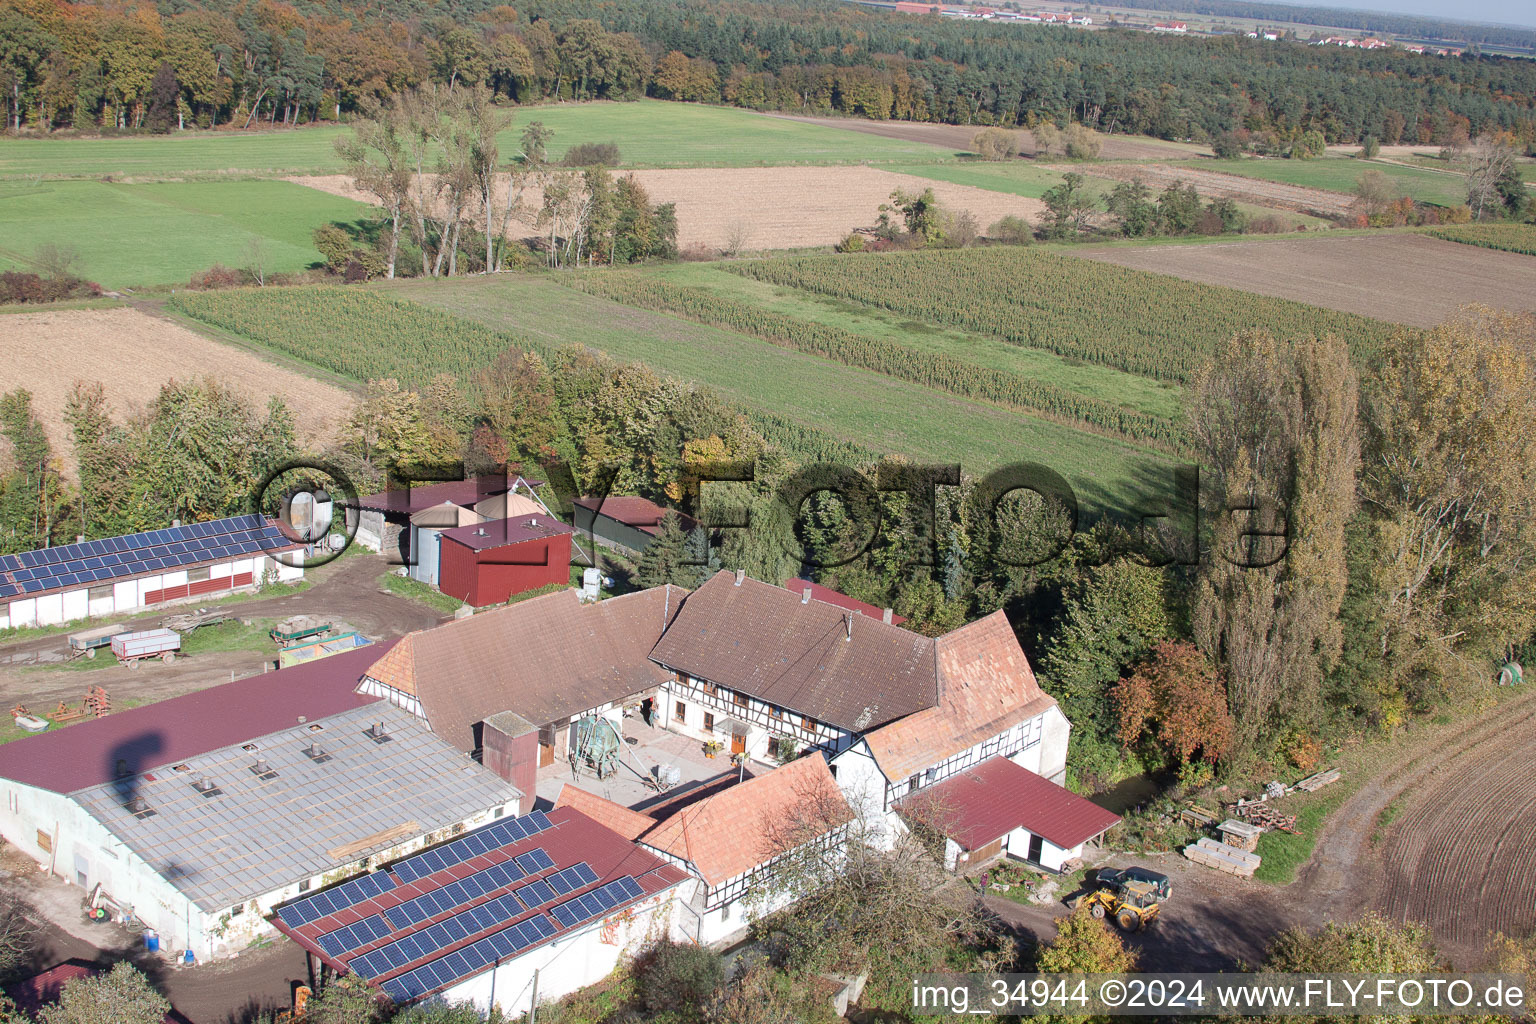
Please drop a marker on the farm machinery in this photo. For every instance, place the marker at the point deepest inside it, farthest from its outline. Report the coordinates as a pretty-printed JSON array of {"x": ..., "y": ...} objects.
[{"x": 1133, "y": 897}]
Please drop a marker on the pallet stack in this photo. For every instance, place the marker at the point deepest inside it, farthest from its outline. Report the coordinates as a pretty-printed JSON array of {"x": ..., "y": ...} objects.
[
  {"x": 1221, "y": 857},
  {"x": 1313, "y": 783}
]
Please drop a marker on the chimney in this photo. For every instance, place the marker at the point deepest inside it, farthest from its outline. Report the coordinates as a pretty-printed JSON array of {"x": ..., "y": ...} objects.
[
  {"x": 202, "y": 785},
  {"x": 261, "y": 767},
  {"x": 805, "y": 596},
  {"x": 534, "y": 521},
  {"x": 741, "y": 574},
  {"x": 138, "y": 805},
  {"x": 848, "y": 625},
  {"x": 885, "y": 616},
  {"x": 315, "y": 751}
]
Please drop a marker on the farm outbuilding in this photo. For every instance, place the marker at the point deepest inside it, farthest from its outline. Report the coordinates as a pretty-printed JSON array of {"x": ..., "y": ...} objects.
[
  {"x": 624, "y": 521},
  {"x": 385, "y": 520},
  {"x": 488, "y": 563},
  {"x": 130, "y": 573}
]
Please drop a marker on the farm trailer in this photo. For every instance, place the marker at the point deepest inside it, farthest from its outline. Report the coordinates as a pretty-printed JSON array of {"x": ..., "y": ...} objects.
[{"x": 132, "y": 648}]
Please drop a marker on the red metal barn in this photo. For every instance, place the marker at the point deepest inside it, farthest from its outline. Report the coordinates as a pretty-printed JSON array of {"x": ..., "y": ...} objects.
[{"x": 487, "y": 563}]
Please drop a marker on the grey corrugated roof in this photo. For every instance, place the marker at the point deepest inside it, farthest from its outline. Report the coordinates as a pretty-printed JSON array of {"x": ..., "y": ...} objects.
[{"x": 261, "y": 834}]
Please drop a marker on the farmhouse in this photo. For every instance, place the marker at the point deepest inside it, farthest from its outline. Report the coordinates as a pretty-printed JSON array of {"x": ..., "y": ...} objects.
[
  {"x": 487, "y": 563},
  {"x": 200, "y": 813},
  {"x": 118, "y": 575},
  {"x": 1170, "y": 26},
  {"x": 522, "y": 909},
  {"x": 1000, "y": 807},
  {"x": 624, "y": 521},
  {"x": 728, "y": 833},
  {"x": 385, "y": 519}
]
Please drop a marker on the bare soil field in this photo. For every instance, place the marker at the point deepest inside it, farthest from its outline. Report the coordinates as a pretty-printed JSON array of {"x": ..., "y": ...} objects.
[
  {"x": 1408, "y": 279},
  {"x": 769, "y": 207},
  {"x": 132, "y": 354},
  {"x": 958, "y": 137},
  {"x": 1217, "y": 185},
  {"x": 1458, "y": 855}
]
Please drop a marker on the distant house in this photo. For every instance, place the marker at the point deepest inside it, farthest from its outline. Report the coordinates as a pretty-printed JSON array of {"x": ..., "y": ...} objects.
[
  {"x": 202, "y": 812},
  {"x": 118, "y": 575},
  {"x": 1171, "y": 26},
  {"x": 726, "y": 834},
  {"x": 624, "y": 521},
  {"x": 489, "y": 562},
  {"x": 910, "y": 7}
]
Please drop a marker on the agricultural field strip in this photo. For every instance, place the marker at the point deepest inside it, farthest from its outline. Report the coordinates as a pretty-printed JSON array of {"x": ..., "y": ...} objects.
[
  {"x": 1219, "y": 185},
  {"x": 881, "y": 355},
  {"x": 873, "y": 410},
  {"x": 1405, "y": 278},
  {"x": 1149, "y": 324},
  {"x": 1338, "y": 175},
  {"x": 1519, "y": 238}
]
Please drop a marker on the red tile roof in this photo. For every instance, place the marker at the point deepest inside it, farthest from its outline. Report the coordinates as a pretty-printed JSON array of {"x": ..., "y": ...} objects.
[
  {"x": 730, "y": 832},
  {"x": 761, "y": 640},
  {"x": 985, "y": 803},
  {"x": 641, "y": 513},
  {"x": 627, "y": 823},
  {"x": 502, "y": 532},
  {"x": 408, "y": 501},
  {"x": 820, "y": 593},
  {"x": 169, "y": 731},
  {"x": 985, "y": 687},
  {"x": 545, "y": 658}
]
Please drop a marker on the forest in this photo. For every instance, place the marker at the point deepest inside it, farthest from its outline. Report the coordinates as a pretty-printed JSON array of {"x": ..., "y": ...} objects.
[{"x": 102, "y": 66}]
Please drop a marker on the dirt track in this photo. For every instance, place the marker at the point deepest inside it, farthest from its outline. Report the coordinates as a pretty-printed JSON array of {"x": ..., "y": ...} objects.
[
  {"x": 1218, "y": 185},
  {"x": 132, "y": 354},
  {"x": 1402, "y": 278},
  {"x": 957, "y": 137},
  {"x": 769, "y": 207}
]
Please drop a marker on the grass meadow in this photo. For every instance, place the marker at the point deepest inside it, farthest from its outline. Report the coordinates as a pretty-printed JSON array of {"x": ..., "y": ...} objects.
[
  {"x": 162, "y": 233},
  {"x": 1339, "y": 174}
]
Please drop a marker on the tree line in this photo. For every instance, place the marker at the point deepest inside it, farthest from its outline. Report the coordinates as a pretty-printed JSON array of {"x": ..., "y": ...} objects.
[{"x": 94, "y": 65}]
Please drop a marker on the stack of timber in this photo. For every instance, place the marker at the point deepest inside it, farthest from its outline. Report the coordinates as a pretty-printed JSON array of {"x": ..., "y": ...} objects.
[
  {"x": 1266, "y": 817},
  {"x": 1198, "y": 816},
  {"x": 1313, "y": 783},
  {"x": 1221, "y": 857}
]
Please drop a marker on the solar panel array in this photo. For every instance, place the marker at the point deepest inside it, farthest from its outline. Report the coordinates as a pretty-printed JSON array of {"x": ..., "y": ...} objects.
[
  {"x": 433, "y": 940},
  {"x": 455, "y": 894},
  {"x": 79, "y": 565},
  {"x": 344, "y": 940},
  {"x": 472, "y": 958},
  {"x": 597, "y": 902},
  {"x": 482, "y": 840},
  {"x": 321, "y": 904}
]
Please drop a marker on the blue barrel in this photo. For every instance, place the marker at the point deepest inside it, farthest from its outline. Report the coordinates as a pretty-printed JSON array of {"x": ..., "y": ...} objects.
[
  {"x": 152, "y": 942},
  {"x": 189, "y": 957}
]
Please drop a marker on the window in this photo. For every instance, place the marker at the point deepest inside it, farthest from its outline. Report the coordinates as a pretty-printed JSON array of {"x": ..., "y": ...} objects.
[
  {"x": 98, "y": 593},
  {"x": 808, "y": 724},
  {"x": 237, "y": 910},
  {"x": 739, "y": 699},
  {"x": 914, "y": 783},
  {"x": 197, "y": 575},
  {"x": 709, "y": 688},
  {"x": 680, "y": 713},
  {"x": 499, "y": 812},
  {"x": 304, "y": 886},
  {"x": 709, "y": 722},
  {"x": 774, "y": 712}
]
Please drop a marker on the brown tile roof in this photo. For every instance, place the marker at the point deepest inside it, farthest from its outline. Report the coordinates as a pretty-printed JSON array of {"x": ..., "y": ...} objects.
[
  {"x": 762, "y": 640},
  {"x": 627, "y": 823},
  {"x": 730, "y": 832},
  {"x": 985, "y": 686},
  {"x": 985, "y": 803},
  {"x": 546, "y": 659}
]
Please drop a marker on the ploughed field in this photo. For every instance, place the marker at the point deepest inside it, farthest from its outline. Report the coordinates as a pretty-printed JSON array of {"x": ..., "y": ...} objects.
[
  {"x": 1218, "y": 185},
  {"x": 1405, "y": 278}
]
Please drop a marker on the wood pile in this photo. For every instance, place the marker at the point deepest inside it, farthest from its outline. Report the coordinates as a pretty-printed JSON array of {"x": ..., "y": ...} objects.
[
  {"x": 1221, "y": 857},
  {"x": 1197, "y": 816},
  {"x": 1313, "y": 783},
  {"x": 1266, "y": 817}
]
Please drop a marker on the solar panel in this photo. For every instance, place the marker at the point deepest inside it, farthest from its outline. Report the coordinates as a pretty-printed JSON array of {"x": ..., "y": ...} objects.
[
  {"x": 599, "y": 901},
  {"x": 534, "y": 861},
  {"x": 482, "y": 840}
]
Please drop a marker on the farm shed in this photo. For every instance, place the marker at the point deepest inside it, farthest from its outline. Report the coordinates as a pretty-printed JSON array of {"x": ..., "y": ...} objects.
[
  {"x": 555, "y": 896},
  {"x": 722, "y": 833},
  {"x": 119, "y": 575},
  {"x": 489, "y": 562},
  {"x": 202, "y": 812},
  {"x": 624, "y": 521},
  {"x": 384, "y": 519},
  {"x": 999, "y": 808},
  {"x": 550, "y": 659}
]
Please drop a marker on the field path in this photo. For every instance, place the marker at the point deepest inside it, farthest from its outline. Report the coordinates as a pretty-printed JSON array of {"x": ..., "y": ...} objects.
[
  {"x": 1220, "y": 185},
  {"x": 1402, "y": 278},
  {"x": 768, "y": 207}
]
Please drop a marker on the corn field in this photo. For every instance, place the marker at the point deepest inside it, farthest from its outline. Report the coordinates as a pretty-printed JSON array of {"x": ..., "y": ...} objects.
[
  {"x": 1147, "y": 324},
  {"x": 1508, "y": 237},
  {"x": 358, "y": 334},
  {"x": 934, "y": 370}
]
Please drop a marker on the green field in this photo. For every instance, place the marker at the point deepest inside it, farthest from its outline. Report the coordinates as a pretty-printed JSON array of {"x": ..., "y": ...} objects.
[
  {"x": 857, "y": 405},
  {"x": 649, "y": 133},
  {"x": 1339, "y": 174},
  {"x": 133, "y": 235},
  {"x": 1019, "y": 177}
]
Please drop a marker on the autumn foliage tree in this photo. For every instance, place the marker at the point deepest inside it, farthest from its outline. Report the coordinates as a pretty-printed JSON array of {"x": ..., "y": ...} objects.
[{"x": 1177, "y": 697}]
